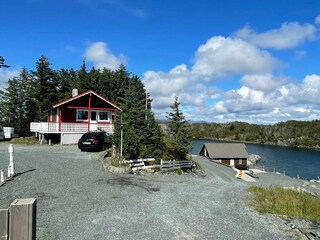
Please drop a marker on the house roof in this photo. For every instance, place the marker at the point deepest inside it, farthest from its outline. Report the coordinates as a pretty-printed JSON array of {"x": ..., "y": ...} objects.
[
  {"x": 225, "y": 150},
  {"x": 84, "y": 94}
]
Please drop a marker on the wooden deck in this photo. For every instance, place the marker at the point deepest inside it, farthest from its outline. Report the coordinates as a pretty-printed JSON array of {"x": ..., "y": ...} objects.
[{"x": 49, "y": 127}]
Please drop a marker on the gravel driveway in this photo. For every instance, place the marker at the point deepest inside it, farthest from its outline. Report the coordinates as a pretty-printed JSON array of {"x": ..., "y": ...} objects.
[{"x": 77, "y": 199}]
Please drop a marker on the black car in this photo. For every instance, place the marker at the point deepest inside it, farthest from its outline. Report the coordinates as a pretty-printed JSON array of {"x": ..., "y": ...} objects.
[{"x": 94, "y": 141}]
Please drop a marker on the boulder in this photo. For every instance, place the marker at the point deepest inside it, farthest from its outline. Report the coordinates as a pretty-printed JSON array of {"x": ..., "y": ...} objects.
[{"x": 253, "y": 159}]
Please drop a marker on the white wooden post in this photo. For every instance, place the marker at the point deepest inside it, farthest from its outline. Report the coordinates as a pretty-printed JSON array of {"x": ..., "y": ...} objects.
[
  {"x": 161, "y": 163},
  {"x": 42, "y": 139},
  {"x": 11, "y": 164},
  {"x": 1, "y": 177}
]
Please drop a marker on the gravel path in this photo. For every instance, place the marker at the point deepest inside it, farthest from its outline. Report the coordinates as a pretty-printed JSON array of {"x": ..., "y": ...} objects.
[{"x": 77, "y": 199}]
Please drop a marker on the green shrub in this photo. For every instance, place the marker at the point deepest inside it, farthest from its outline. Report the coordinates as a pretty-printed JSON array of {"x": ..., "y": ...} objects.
[{"x": 179, "y": 171}]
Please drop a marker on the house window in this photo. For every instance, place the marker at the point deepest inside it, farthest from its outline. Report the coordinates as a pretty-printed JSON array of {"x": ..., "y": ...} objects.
[
  {"x": 240, "y": 161},
  {"x": 103, "y": 116},
  {"x": 82, "y": 115},
  {"x": 100, "y": 116}
]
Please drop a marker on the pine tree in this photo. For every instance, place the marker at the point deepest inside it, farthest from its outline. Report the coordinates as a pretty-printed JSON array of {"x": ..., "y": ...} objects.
[
  {"x": 15, "y": 104},
  {"x": 82, "y": 78},
  {"x": 11, "y": 102},
  {"x": 178, "y": 139},
  {"x": 93, "y": 79},
  {"x": 2, "y": 65},
  {"x": 45, "y": 87},
  {"x": 141, "y": 133}
]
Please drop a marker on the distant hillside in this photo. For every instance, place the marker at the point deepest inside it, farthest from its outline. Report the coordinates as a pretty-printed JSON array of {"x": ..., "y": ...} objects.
[{"x": 290, "y": 133}]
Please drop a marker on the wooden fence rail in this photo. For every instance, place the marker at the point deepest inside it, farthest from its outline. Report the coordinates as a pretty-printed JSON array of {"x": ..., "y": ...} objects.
[
  {"x": 18, "y": 222},
  {"x": 148, "y": 164}
]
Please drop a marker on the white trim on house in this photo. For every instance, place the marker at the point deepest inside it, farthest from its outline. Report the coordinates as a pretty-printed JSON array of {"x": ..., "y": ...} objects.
[
  {"x": 57, "y": 118},
  {"x": 98, "y": 116},
  {"x": 86, "y": 93}
]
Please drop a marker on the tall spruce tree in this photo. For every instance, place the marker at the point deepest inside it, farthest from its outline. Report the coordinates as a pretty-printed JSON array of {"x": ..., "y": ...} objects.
[
  {"x": 141, "y": 133},
  {"x": 44, "y": 86},
  {"x": 178, "y": 139},
  {"x": 15, "y": 103},
  {"x": 11, "y": 102},
  {"x": 28, "y": 102},
  {"x": 64, "y": 79},
  {"x": 82, "y": 83},
  {"x": 2, "y": 65}
]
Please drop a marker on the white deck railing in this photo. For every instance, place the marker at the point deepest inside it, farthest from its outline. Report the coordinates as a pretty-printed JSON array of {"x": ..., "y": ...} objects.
[{"x": 45, "y": 127}]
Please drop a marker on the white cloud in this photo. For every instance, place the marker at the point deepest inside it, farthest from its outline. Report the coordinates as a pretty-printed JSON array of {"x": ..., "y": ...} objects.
[
  {"x": 219, "y": 107},
  {"x": 258, "y": 96},
  {"x": 317, "y": 20},
  {"x": 263, "y": 82},
  {"x": 220, "y": 56},
  {"x": 288, "y": 36},
  {"x": 101, "y": 56},
  {"x": 160, "y": 83},
  {"x": 6, "y": 74},
  {"x": 289, "y": 101}
]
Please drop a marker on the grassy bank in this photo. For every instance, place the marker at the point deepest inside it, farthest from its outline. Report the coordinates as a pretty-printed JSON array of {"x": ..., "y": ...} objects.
[
  {"x": 26, "y": 140},
  {"x": 277, "y": 200}
]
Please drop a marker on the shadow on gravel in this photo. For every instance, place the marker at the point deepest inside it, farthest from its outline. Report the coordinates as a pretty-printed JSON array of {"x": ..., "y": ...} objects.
[
  {"x": 124, "y": 182},
  {"x": 21, "y": 173}
]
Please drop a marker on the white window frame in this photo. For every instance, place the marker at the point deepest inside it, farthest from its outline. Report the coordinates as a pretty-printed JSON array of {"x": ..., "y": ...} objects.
[
  {"x": 108, "y": 114},
  {"x": 82, "y": 120},
  {"x": 98, "y": 116}
]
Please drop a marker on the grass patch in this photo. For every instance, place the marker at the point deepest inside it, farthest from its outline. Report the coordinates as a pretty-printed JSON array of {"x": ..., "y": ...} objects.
[
  {"x": 277, "y": 200},
  {"x": 114, "y": 161},
  {"x": 26, "y": 140}
]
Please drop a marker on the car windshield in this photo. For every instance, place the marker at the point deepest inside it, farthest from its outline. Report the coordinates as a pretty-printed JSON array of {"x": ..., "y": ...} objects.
[{"x": 91, "y": 135}]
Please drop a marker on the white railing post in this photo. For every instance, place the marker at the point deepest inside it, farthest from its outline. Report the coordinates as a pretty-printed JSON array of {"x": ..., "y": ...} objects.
[
  {"x": 1, "y": 176},
  {"x": 11, "y": 164},
  {"x": 161, "y": 163}
]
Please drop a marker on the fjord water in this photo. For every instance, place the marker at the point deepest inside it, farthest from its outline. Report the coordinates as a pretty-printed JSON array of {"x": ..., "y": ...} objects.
[{"x": 292, "y": 161}]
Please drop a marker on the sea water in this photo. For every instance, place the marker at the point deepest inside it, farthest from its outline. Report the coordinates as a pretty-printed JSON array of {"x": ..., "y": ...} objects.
[{"x": 293, "y": 162}]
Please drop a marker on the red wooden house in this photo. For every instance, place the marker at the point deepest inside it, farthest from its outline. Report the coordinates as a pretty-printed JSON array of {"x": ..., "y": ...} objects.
[{"x": 73, "y": 117}]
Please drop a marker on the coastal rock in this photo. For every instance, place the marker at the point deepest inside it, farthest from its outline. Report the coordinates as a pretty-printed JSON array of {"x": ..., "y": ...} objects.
[{"x": 253, "y": 159}]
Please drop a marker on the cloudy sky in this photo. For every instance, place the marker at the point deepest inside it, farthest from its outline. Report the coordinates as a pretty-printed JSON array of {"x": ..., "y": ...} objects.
[{"x": 226, "y": 60}]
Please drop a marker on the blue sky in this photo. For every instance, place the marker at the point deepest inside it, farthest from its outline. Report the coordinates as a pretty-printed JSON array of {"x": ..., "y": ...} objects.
[{"x": 254, "y": 61}]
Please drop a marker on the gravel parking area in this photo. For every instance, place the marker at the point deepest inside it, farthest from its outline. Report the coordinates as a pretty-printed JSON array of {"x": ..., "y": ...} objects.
[
  {"x": 269, "y": 179},
  {"x": 77, "y": 199}
]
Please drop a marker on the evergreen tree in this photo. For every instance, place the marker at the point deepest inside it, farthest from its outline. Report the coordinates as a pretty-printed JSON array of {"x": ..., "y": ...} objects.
[
  {"x": 2, "y": 65},
  {"x": 11, "y": 102},
  {"x": 105, "y": 84},
  {"x": 141, "y": 133},
  {"x": 82, "y": 83},
  {"x": 93, "y": 79},
  {"x": 178, "y": 139},
  {"x": 66, "y": 81},
  {"x": 15, "y": 108},
  {"x": 28, "y": 104},
  {"x": 45, "y": 87}
]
